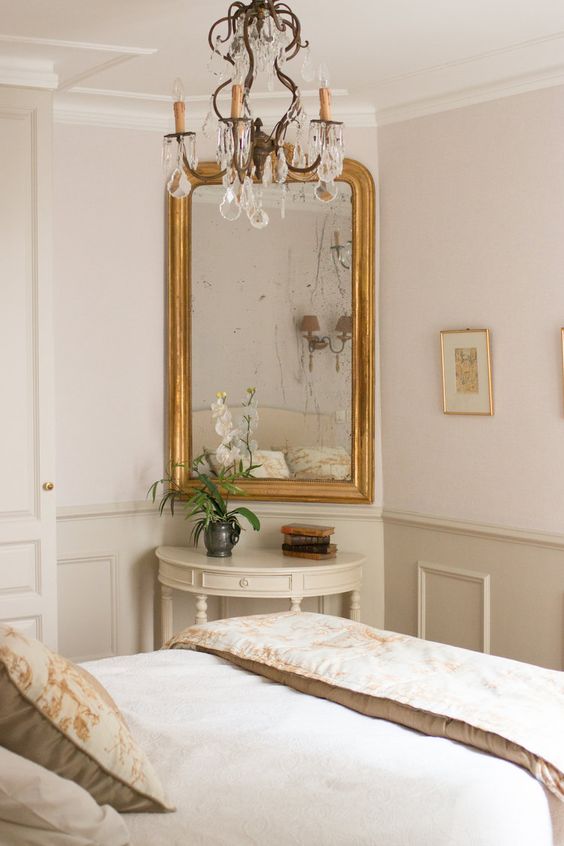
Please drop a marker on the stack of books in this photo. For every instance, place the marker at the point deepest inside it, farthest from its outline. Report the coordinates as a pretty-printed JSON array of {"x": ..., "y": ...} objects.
[{"x": 308, "y": 541}]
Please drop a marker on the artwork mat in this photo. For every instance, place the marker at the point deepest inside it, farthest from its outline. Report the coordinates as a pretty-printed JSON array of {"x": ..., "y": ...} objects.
[{"x": 454, "y": 402}]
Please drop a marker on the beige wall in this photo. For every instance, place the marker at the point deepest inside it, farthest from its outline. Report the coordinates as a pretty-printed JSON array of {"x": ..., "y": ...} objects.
[
  {"x": 472, "y": 211},
  {"x": 473, "y": 214},
  {"x": 109, "y": 319}
]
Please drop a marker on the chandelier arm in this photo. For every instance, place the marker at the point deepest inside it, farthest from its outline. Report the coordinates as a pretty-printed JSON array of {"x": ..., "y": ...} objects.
[
  {"x": 230, "y": 18},
  {"x": 201, "y": 177},
  {"x": 309, "y": 169},
  {"x": 272, "y": 8},
  {"x": 215, "y": 95},
  {"x": 293, "y": 22},
  {"x": 249, "y": 79},
  {"x": 280, "y": 129}
]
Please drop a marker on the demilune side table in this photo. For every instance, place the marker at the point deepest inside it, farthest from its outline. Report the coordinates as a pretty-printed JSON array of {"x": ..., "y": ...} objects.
[{"x": 254, "y": 573}]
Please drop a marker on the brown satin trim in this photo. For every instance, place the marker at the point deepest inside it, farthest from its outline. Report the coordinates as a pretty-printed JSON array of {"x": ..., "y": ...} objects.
[
  {"x": 425, "y": 722},
  {"x": 29, "y": 733}
]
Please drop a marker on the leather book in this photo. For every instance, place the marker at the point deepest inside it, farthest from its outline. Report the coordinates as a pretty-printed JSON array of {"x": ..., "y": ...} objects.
[
  {"x": 318, "y": 556},
  {"x": 322, "y": 548},
  {"x": 312, "y": 531}
]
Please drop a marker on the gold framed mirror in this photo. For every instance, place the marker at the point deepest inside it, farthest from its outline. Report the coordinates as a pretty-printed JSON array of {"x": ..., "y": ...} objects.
[{"x": 316, "y": 397}]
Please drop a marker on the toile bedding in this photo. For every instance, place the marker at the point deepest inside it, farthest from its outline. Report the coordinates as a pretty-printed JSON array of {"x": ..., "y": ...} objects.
[
  {"x": 247, "y": 760},
  {"x": 511, "y": 709}
]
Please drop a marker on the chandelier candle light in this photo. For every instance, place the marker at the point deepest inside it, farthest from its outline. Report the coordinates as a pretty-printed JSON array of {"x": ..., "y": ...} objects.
[{"x": 260, "y": 36}]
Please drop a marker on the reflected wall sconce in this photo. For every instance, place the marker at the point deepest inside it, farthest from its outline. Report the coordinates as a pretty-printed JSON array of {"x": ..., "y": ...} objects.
[
  {"x": 310, "y": 329},
  {"x": 342, "y": 253}
]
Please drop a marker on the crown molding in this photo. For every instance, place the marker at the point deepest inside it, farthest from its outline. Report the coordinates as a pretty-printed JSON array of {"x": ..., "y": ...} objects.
[
  {"x": 79, "y": 115},
  {"x": 120, "y": 117},
  {"x": 31, "y": 72},
  {"x": 116, "y": 117},
  {"x": 76, "y": 45},
  {"x": 195, "y": 98},
  {"x": 29, "y": 76},
  {"x": 470, "y": 96}
]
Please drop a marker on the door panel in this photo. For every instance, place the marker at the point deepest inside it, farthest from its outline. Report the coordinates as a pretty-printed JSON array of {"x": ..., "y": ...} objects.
[{"x": 27, "y": 511}]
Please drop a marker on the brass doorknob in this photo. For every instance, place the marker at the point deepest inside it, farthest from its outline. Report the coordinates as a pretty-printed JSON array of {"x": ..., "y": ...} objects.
[{"x": 48, "y": 486}]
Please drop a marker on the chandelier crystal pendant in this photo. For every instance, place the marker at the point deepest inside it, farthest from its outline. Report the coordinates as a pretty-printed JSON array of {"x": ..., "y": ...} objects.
[{"x": 258, "y": 37}]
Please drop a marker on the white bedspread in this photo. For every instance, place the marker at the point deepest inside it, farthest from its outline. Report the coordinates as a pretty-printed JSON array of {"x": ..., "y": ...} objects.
[{"x": 252, "y": 763}]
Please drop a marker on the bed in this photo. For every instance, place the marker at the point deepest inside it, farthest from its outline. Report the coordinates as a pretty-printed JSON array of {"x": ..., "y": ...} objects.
[{"x": 249, "y": 761}]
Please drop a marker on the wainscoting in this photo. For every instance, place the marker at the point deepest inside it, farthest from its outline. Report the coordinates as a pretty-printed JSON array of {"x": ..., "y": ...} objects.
[
  {"x": 476, "y": 585},
  {"x": 108, "y": 594}
]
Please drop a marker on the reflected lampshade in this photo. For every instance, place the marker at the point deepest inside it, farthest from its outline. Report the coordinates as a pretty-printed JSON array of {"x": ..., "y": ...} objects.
[
  {"x": 344, "y": 325},
  {"x": 310, "y": 324}
]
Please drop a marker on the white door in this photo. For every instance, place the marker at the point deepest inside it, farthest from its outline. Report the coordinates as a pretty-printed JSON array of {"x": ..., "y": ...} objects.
[{"x": 28, "y": 589}]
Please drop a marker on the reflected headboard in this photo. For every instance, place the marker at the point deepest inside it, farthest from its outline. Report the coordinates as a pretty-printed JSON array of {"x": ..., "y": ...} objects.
[{"x": 278, "y": 428}]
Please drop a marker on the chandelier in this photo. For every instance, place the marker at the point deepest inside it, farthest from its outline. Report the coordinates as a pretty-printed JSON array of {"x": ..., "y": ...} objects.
[{"x": 257, "y": 37}]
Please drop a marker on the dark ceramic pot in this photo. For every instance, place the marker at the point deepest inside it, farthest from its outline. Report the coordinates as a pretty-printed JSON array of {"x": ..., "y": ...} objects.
[{"x": 220, "y": 538}]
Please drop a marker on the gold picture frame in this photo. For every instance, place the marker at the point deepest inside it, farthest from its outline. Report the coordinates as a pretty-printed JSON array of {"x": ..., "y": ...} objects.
[
  {"x": 467, "y": 372},
  {"x": 360, "y": 487},
  {"x": 562, "y": 349}
]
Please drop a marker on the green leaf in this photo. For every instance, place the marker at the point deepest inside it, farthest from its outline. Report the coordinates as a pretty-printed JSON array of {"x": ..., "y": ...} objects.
[
  {"x": 214, "y": 491},
  {"x": 248, "y": 515}
]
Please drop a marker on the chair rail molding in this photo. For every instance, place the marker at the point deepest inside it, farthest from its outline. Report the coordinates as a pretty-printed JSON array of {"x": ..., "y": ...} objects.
[
  {"x": 472, "y": 528},
  {"x": 141, "y": 508}
]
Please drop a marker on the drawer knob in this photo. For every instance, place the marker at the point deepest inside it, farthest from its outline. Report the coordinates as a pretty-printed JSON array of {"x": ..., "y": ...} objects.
[{"x": 244, "y": 583}]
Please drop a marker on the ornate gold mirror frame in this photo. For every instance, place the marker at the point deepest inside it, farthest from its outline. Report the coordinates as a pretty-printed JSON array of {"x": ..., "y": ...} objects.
[{"x": 360, "y": 488}]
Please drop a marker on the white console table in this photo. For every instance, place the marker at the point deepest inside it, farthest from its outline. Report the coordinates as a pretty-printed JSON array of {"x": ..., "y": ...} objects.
[{"x": 255, "y": 573}]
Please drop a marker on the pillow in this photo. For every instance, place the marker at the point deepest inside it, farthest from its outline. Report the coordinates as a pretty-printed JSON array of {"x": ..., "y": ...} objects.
[
  {"x": 59, "y": 716},
  {"x": 273, "y": 464},
  {"x": 319, "y": 463},
  {"x": 39, "y": 808}
]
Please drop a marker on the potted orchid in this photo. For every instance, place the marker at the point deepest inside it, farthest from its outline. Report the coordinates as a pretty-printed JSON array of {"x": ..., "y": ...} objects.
[{"x": 208, "y": 504}]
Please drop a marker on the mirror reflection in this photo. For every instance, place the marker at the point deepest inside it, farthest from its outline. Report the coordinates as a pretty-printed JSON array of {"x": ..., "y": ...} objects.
[{"x": 272, "y": 309}]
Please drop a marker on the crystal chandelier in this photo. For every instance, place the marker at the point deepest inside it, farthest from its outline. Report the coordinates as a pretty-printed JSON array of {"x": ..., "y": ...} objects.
[{"x": 258, "y": 37}]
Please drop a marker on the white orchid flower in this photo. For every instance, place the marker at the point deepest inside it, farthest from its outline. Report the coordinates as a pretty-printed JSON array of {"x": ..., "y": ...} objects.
[
  {"x": 224, "y": 426},
  {"x": 227, "y": 455},
  {"x": 219, "y": 409}
]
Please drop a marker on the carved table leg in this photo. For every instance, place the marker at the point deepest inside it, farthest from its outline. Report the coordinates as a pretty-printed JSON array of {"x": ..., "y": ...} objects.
[
  {"x": 354, "y": 610},
  {"x": 166, "y": 614},
  {"x": 201, "y": 608},
  {"x": 296, "y": 603}
]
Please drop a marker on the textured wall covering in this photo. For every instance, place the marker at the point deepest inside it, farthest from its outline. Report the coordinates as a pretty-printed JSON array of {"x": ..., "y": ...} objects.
[{"x": 472, "y": 216}]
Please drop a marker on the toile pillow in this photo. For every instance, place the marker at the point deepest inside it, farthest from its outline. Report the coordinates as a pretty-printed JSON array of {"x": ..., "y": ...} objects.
[
  {"x": 272, "y": 464},
  {"x": 39, "y": 808},
  {"x": 57, "y": 715},
  {"x": 319, "y": 463}
]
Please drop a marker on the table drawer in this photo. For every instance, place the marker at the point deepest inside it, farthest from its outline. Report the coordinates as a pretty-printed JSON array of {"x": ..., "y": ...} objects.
[
  {"x": 243, "y": 582},
  {"x": 333, "y": 580}
]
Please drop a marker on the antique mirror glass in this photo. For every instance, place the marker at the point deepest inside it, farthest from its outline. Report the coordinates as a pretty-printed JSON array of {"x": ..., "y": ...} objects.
[{"x": 287, "y": 310}]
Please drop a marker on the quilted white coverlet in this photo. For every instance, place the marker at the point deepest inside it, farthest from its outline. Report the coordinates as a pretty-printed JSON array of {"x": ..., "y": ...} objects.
[
  {"x": 511, "y": 709},
  {"x": 249, "y": 762}
]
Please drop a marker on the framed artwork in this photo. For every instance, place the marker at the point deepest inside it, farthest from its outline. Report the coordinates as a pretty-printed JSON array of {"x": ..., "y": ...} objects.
[{"x": 467, "y": 371}]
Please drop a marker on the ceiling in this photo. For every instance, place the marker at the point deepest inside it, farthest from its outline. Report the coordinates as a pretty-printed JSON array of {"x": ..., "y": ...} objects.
[{"x": 114, "y": 62}]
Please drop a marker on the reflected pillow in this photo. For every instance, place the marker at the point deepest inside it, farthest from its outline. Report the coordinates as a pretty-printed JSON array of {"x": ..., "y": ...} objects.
[
  {"x": 59, "y": 716},
  {"x": 319, "y": 463},
  {"x": 273, "y": 464},
  {"x": 39, "y": 808}
]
